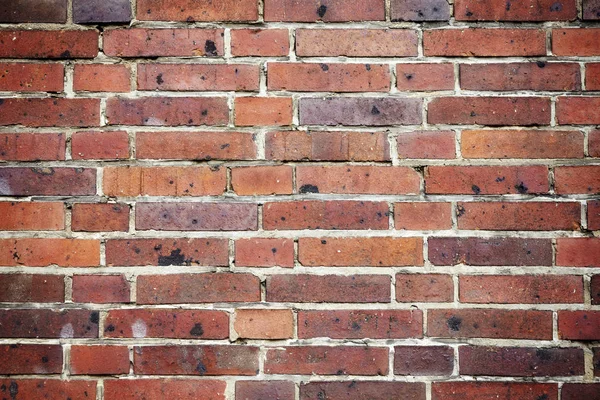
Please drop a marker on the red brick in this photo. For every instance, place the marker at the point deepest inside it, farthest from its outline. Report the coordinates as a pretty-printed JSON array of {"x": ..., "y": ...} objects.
[
  {"x": 312, "y": 77},
  {"x": 260, "y": 42},
  {"x": 100, "y": 289},
  {"x": 264, "y": 324},
  {"x": 195, "y": 360},
  {"x": 26, "y": 216},
  {"x": 486, "y": 180},
  {"x": 357, "y": 179},
  {"x": 24, "y": 77},
  {"x": 52, "y": 389},
  {"x": 422, "y": 216},
  {"x": 290, "y": 215},
  {"x": 539, "y": 76},
  {"x": 25, "y": 288},
  {"x": 164, "y": 181},
  {"x": 577, "y": 110},
  {"x": 576, "y": 42},
  {"x": 99, "y": 360},
  {"x": 494, "y": 390},
  {"x": 481, "y": 42},
  {"x": 528, "y": 10},
  {"x": 426, "y": 288},
  {"x": 497, "y": 251},
  {"x": 419, "y": 10},
  {"x": 327, "y": 360},
  {"x": 100, "y": 145},
  {"x": 327, "y": 146},
  {"x": 264, "y": 390},
  {"x": 39, "y": 359},
  {"x": 520, "y": 361},
  {"x": 593, "y": 215},
  {"x": 578, "y": 252},
  {"x": 45, "y": 252},
  {"x": 42, "y": 323},
  {"x": 489, "y": 111},
  {"x": 198, "y": 77},
  {"x": 358, "y": 324},
  {"x": 32, "y": 146},
  {"x": 252, "y": 111},
  {"x": 525, "y": 144},
  {"x": 324, "y": 10},
  {"x": 196, "y": 216},
  {"x": 490, "y": 323},
  {"x": 47, "y": 181},
  {"x": 59, "y": 44},
  {"x": 576, "y": 391},
  {"x": 165, "y": 252},
  {"x": 578, "y": 179},
  {"x": 195, "y": 145},
  {"x": 60, "y": 112},
  {"x": 262, "y": 180},
  {"x": 595, "y": 289},
  {"x": 264, "y": 252},
  {"x": 357, "y": 252},
  {"x": 423, "y": 360},
  {"x": 197, "y": 288},
  {"x": 592, "y": 76},
  {"x": 579, "y": 325},
  {"x": 524, "y": 216},
  {"x": 594, "y": 143},
  {"x": 100, "y": 217},
  {"x": 140, "y": 42},
  {"x": 359, "y": 390},
  {"x": 157, "y": 389},
  {"x": 356, "y": 42},
  {"x": 34, "y": 11},
  {"x": 426, "y": 145},
  {"x": 102, "y": 78},
  {"x": 304, "y": 288},
  {"x": 167, "y": 323},
  {"x": 191, "y": 10},
  {"x": 425, "y": 77},
  {"x": 521, "y": 289}
]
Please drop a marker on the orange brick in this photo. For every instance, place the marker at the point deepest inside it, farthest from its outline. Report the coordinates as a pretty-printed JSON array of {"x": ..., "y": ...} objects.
[
  {"x": 100, "y": 145},
  {"x": 260, "y": 42},
  {"x": 100, "y": 217},
  {"x": 264, "y": 253},
  {"x": 249, "y": 181},
  {"x": 252, "y": 111},
  {"x": 26, "y": 216},
  {"x": 99, "y": 360},
  {"x": 422, "y": 216},
  {"x": 264, "y": 324},
  {"x": 101, "y": 78}
]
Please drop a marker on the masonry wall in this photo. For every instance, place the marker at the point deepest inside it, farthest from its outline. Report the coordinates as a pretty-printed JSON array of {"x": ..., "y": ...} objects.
[{"x": 300, "y": 199}]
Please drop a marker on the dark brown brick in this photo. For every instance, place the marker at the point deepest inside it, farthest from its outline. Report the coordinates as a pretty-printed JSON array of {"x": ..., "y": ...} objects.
[
  {"x": 423, "y": 360},
  {"x": 528, "y": 10},
  {"x": 16, "y": 359},
  {"x": 420, "y": 10},
  {"x": 49, "y": 388},
  {"x": 591, "y": 11},
  {"x": 15, "y": 11},
  {"x": 264, "y": 390},
  {"x": 362, "y": 390},
  {"x": 595, "y": 289},
  {"x": 101, "y": 11},
  {"x": 578, "y": 391},
  {"x": 25, "y": 288},
  {"x": 47, "y": 181},
  {"x": 494, "y": 390},
  {"x": 36, "y": 323}
]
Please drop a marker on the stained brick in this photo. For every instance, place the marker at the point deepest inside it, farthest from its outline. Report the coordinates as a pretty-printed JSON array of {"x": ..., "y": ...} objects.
[
  {"x": 494, "y": 390},
  {"x": 60, "y": 112},
  {"x": 358, "y": 390},
  {"x": 198, "y": 77},
  {"x": 423, "y": 360},
  {"x": 324, "y": 10},
  {"x": 32, "y": 146},
  {"x": 482, "y": 42},
  {"x": 426, "y": 288},
  {"x": 45, "y": 252},
  {"x": 579, "y": 325},
  {"x": 191, "y": 10},
  {"x": 42, "y": 323},
  {"x": 15, "y": 11},
  {"x": 419, "y": 10},
  {"x": 154, "y": 389},
  {"x": 101, "y": 11},
  {"x": 41, "y": 359},
  {"x": 528, "y": 10},
  {"x": 267, "y": 252},
  {"x": 25, "y": 77},
  {"x": 55, "y": 44},
  {"x": 25, "y": 288}
]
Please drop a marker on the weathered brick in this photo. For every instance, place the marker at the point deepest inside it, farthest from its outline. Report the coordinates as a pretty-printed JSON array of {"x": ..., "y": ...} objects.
[
  {"x": 100, "y": 289},
  {"x": 192, "y": 10},
  {"x": 197, "y": 288},
  {"x": 353, "y": 111},
  {"x": 267, "y": 252},
  {"x": 491, "y": 111},
  {"x": 357, "y": 179},
  {"x": 26, "y": 216},
  {"x": 270, "y": 111},
  {"x": 260, "y": 42},
  {"x": 14, "y": 11},
  {"x": 422, "y": 216},
  {"x": 42, "y": 323},
  {"x": 419, "y": 10},
  {"x": 324, "y": 10},
  {"x": 101, "y": 78},
  {"x": 327, "y": 146},
  {"x": 358, "y": 324},
  {"x": 327, "y": 360},
  {"x": 575, "y": 391},
  {"x": 198, "y": 77},
  {"x": 540, "y": 76},
  {"x": 167, "y": 323},
  {"x": 196, "y": 216},
  {"x": 356, "y": 42},
  {"x": 32, "y": 146},
  {"x": 593, "y": 215},
  {"x": 141, "y": 42},
  {"x": 359, "y": 390},
  {"x": 101, "y": 11},
  {"x": 264, "y": 324},
  {"x": 165, "y": 252},
  {"x": 592, "y": 73},
  {"x": 578, "y": 110},
  {"x": 520, "y": 361},
  {"x": 49, "y": 388},
  {"x": 528, "y": 10},
  {"x": 490, "y": 251},
  {"x": 490, "y": 323},
  {"x": 426, "y": 145},
  {"x": 304, "y": 288},
  {"x": 579, "y": 325},
  {"x": 59, "y": 112},
  {"x": 578, "y": 252},
  {"x": 264, "y": 390},
  {"x": 423, "y": 360},
  {"x": 482, "y": 42},
  {"x": 356, "y": 252},
  {"x": 494, "y": 390},
  {"x": 59, "y": 44},
  {"x": 591, "y": 11},
  {"x": 99, "y": 360},
  {"x": 325, "y": 215},
  {"x": 595, "y": 289},
  {"x": 100, "y": 145},
  {"x": 594, "y": 143},
  {"x": 520, "y": 289},
  {"x": 262, "y": 180},
  {"x": 157, "y": 389},
  {"x": 425, "y": 77},
  {"x": 486, "y": 180},
  {"x": 576, "y": 42},
  {"x": 577, "y": 179},
  {"x": 26, "y": 288},
  {"x": 100, "y": 217},
  {"x": 25, "y": 77},
  {"x": 164, "y": 181},
  {"x": 45, "y": 252},
  {"x": 426, "y": 288},
  {"x": 39, "y": 359}
]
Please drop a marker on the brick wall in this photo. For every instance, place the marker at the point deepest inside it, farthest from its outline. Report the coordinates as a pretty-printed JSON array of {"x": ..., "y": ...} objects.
[{"x": 300, "y": 199}]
